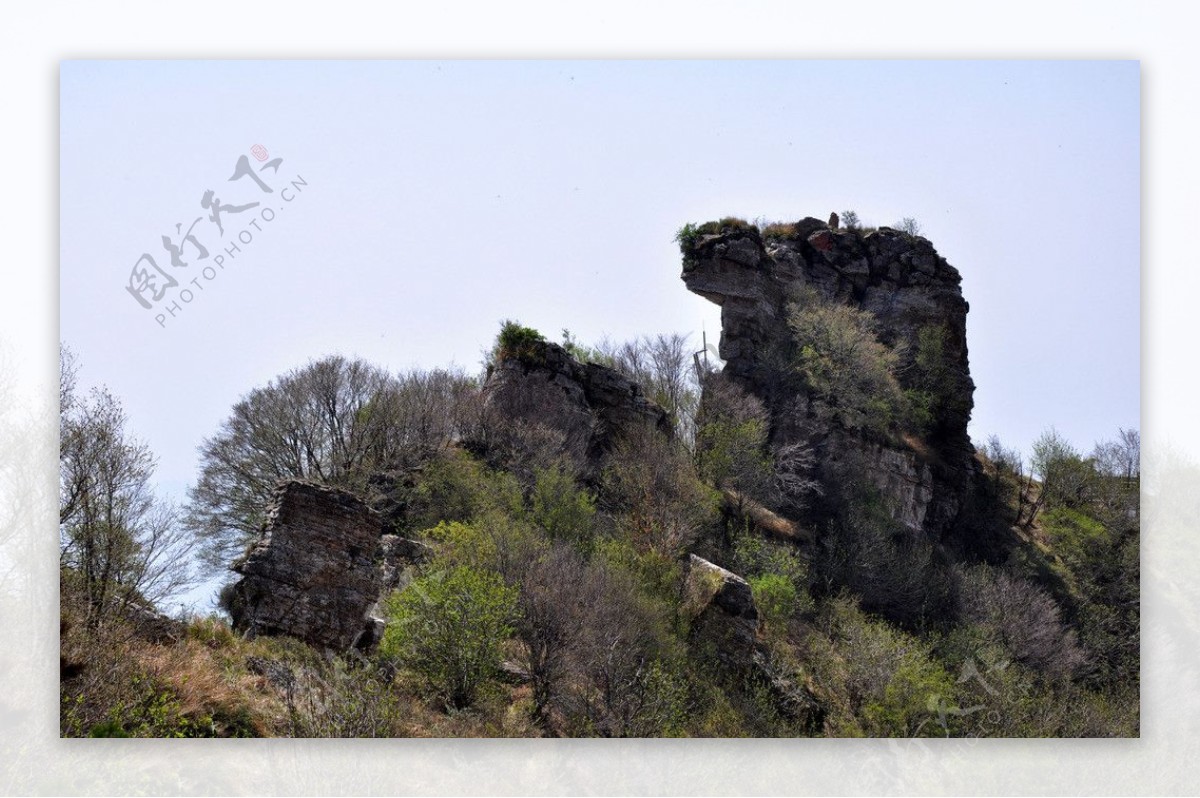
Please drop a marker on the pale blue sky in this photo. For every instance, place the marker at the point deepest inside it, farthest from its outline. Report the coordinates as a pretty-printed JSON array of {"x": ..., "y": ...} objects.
[{"x": 443, "y": 197}]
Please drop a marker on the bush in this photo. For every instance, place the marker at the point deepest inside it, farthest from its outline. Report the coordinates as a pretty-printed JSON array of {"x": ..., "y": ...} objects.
[
  {"x": 448, "y": 628},
  {"x": 560, "y": 506},
  {"x": 878, "y": 680},
  {"x": 457, "y": 487},
  {"x": 843, "y": 364},
  {"x": 515, "y": 341},
  {"x": 775, "y": 596},
  {"x": 651, "y": 485},
  {"x": 342, "y": 700},
  {"x": 1023, "y": 619},
  {"x": 690, "y": 233}
]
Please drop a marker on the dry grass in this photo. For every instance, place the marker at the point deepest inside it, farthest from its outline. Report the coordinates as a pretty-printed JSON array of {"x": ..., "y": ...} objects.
[
  {"x": 208, "y": 685},
  {"x": 779, "y": 230}
]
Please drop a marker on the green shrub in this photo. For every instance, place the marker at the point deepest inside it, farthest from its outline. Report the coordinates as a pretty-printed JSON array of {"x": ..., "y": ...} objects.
[
  {"x": 689, "y": 234},
  {"x": 515, "y": 341},
  {"x": 457, "y": 487},
  {"x": 887, "y": 680},
  {"x": 448, "y": 628},
  {"x": 843, "y": 364},
  {"x": 560, "y": 506},
  {"x": 775, "y": 596}
]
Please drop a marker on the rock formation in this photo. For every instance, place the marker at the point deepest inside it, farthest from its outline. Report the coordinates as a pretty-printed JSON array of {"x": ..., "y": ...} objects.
[
  {"x": 590, "y": 405},
  {"x": 909, "y": 289},
  {"x": 721, "y": 608},
  {"x": 319, "y": 568}
]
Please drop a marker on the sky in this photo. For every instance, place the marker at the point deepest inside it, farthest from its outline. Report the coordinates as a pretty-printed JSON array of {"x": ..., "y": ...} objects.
[{"x": 420, "y": 203}]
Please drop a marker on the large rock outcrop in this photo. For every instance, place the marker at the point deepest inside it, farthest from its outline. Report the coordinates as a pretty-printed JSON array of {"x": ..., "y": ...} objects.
[
  {"x": 589, "y": 405},
  {"x": 909, "y": 289},
  {"x": 319, "y": 568}
]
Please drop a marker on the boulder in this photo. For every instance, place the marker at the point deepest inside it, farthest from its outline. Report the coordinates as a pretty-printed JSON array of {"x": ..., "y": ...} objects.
[
  {"x": 319, "y": 568},
  {"x": 721, "y": 609}
]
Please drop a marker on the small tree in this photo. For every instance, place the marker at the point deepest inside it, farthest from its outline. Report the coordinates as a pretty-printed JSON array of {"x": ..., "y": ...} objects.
[
  {"x": 448, "y": 627},
  {"x": 909, "y": 225},
  {"x": 1066, "y": 477},
  {"x": 851, "y": 221},
  {"x": 651, "y": 484}
]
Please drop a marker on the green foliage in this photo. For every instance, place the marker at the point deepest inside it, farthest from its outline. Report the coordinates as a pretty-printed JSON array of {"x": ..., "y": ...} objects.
[
  {"x": 879, "y": 680},
  {"x": 448, "y": 627},
  {"x": 656, "y": 574},
  {"x": 778, "y": 571},
  {"x": 731, "y": 453},
  {"x": 775, "y": 596},
  {"x": 754, "y": 555},
  {"x": 157, "y": 712},
  {"x": 457, "y": 487},
  {"x": 932, "y": 390},
  {"x": 686, "y": 237},
  {"x": 918, "y": 688},
  {"x": 1066, "y": 477},
  {"x": 843, "y": 364},
  {"x": 515, "y": 341},
  {"x": 1074, "y": 536},
  {"x": 690, "y": 233},
  {"x": 560, "y": 506},
  {"x": 582, "y": 353},
  {"x": 851, "y": 221}
]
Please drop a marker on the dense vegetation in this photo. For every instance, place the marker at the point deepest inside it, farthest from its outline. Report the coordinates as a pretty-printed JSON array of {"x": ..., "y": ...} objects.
[{"x": 552, "y": 602}]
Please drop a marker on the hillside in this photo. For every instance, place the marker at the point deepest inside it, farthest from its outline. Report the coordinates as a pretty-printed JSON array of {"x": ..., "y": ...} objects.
[{"x": 627, "y": 541}]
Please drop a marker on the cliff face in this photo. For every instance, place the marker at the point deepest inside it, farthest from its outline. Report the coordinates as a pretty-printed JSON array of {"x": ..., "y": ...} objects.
[
  {"x": 910, "y": 291},
  {"x": 319, "y": 568}
]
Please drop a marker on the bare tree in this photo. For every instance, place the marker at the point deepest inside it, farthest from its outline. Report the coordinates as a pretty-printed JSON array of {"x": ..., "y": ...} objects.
[
  {"x": 1023, "y": 618},
  {"x": 662, "y": 366},
  {"x": 335, "y": 421},
  {"x": 557, "y": 591},
  {"x": 118, "y": 543},
  {"x": 1120, "y": 458}
]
